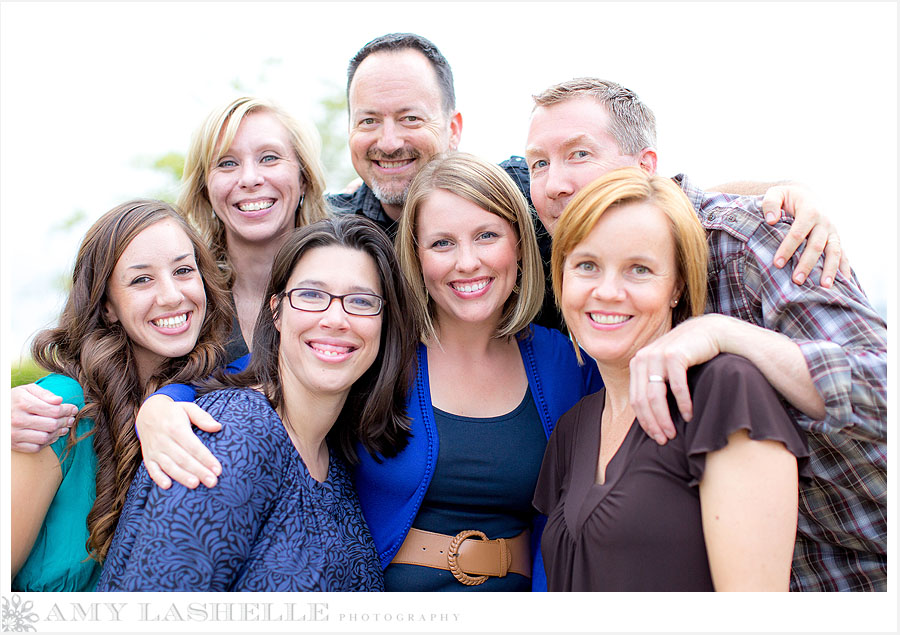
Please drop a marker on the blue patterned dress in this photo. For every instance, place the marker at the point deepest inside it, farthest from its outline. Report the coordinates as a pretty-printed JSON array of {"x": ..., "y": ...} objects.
[{"x": 267, "y": 526}]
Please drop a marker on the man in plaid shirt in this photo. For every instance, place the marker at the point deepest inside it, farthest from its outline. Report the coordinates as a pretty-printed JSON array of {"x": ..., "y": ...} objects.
[{"x": 821, "y": 345}]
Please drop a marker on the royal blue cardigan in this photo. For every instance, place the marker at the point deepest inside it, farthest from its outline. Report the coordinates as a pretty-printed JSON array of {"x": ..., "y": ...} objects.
[{"x": 391, "y": 490}]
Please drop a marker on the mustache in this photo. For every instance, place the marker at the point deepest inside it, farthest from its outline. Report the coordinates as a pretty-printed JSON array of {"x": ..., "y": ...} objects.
[{"x": 397, "y": 155}]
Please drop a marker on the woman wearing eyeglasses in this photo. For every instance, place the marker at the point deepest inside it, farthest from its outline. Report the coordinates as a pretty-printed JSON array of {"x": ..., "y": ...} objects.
[{"x": 332, "y": 359}]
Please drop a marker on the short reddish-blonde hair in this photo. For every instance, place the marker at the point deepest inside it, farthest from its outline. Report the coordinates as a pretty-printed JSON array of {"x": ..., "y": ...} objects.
[{"x": 634, "y": 185}]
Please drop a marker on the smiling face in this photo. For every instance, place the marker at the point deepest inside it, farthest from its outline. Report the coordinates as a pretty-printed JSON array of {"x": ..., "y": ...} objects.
[
  {"x": 469, "y": 259},
  {"x": 397, "y": 123},
  {"x": 324, "y": 353},
  {"x": 569, "y": 146},
  {"x": 156, "y": 293},
  {"x": 255, "y": 187},
  {"x": 621, "y": 283}
]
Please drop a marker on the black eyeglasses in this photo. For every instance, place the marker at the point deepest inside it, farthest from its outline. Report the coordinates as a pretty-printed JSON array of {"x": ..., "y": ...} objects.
[{"x": 316, "y": 300}]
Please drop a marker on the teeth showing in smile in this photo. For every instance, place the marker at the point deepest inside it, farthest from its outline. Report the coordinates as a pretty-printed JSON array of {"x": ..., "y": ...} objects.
[
  {"x": 602, "y": 318},
  {"x": 255, "y": 207},
  {"x": 470, "y": 288},
  {"x": 171, "y": 322},
  {"x": 330, "y": 350},
  {"x": 393, "y": 164}
]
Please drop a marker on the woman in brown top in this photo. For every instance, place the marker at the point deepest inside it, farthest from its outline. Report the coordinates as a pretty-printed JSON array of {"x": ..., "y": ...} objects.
[{"x": 716, "y": 507}]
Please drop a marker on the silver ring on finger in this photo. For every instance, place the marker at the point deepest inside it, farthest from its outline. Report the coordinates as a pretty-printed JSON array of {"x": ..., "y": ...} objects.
[{"x": 656, "y": 378}]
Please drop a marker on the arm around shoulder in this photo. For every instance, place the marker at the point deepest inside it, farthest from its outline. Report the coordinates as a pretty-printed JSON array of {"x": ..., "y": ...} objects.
[
  {"x": 196, "y": 539},
  {"x": 842, "y": 339},
  {"x": 38, "y": 417}
]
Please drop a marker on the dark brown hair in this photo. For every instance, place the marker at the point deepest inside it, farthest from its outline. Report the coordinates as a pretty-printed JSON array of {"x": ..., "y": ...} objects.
[
  {"x": 375, "y": 411},
  {"x": 393, "y": 42},
  {"x": 98, "y": 354}
]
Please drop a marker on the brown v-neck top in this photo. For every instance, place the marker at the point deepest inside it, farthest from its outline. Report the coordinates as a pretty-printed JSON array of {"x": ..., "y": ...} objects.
[{"x": 641, "y": 529}]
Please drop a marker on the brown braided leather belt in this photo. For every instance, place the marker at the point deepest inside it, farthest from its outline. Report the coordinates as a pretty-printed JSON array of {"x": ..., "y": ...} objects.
[{"x": 470, "y": 561}]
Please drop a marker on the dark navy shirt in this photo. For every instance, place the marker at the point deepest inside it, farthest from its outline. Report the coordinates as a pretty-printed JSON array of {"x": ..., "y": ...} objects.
[
  {"x": 484, "y": 479},
  {"x": 363, "y": 200},
  {"x": 236, "y": 347}
]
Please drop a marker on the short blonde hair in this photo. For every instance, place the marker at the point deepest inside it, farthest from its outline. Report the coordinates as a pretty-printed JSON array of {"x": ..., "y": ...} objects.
[
  {"x": 213, "y": 139},
  {"x": 634, "y": 185},
  {"x": 490, "y": 188}
]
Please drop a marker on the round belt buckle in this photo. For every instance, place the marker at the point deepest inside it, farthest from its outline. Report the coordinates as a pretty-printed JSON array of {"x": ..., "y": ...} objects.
[{"x": 453, "y": 555}]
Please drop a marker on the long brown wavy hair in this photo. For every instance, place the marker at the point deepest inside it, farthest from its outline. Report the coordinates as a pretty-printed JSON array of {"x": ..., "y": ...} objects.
[{"x": 99, "y": 355}]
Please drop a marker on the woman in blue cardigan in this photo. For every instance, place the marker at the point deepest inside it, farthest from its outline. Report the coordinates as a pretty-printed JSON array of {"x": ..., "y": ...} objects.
[{"x": 453, "y": 510}]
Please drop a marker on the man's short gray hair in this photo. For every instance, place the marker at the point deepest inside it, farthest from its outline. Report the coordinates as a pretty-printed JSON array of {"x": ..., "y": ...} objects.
[{"x": 632, "y": 123}]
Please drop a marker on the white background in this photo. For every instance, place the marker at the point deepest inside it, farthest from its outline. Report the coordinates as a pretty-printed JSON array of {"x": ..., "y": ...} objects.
[{"x": 89, "y": 92}]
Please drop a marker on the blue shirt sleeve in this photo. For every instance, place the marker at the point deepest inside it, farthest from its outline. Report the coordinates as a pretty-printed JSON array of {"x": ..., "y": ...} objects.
[{"x": 187, "y": 392}]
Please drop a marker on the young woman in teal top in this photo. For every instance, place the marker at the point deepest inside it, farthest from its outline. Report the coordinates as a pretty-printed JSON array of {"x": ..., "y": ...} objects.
[
  {"x": 56, "y": 561},
  {"x": 147, "y": 307}
]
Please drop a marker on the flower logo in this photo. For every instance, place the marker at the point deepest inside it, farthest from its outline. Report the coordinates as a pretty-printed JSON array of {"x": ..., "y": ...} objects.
[{"x": 17, "y": 615}]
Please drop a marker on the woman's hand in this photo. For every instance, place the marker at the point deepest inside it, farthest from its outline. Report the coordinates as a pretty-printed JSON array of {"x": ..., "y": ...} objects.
[
  {"x": 171, "y": 450},
  {"x": 38, "y": 418}
]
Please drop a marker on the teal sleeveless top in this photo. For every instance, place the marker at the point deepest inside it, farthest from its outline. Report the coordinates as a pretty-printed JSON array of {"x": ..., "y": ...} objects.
[{"x": 59, "y": 559}]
